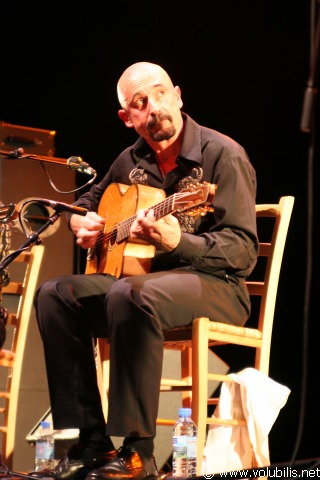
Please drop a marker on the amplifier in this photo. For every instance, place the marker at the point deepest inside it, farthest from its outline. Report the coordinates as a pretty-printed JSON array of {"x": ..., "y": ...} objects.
[{"x": 32, "y": 140}]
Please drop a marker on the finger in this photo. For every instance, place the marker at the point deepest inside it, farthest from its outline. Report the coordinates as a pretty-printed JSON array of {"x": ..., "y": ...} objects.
[
  {"x": 140, "y": 215},
  {"x": 150, "y": 214}
]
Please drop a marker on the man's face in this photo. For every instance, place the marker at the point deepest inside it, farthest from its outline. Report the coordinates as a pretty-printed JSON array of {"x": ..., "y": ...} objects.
[{"x": 153, "y": 106}]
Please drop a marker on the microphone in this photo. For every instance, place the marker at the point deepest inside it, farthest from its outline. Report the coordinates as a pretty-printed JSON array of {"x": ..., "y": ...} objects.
[
  {"x": 76, "y": 163},
  {"x": 17, "y": 153},
  {"x": 62, "y": 207}
]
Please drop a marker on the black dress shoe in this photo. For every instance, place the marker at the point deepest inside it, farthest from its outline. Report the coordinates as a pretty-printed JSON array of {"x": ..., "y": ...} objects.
[
  {"x": 72, "y": 466},
  {"x": 127, "y": 465}
]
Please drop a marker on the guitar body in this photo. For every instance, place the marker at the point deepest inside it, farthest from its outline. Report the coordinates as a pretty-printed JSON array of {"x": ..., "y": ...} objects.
[{"x": 130, "y": 257}]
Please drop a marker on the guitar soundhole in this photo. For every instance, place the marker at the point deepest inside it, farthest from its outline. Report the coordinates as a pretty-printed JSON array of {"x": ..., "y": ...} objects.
[
  {"x": 95, "y": 252},
  {"x": 112, "y": 238}
]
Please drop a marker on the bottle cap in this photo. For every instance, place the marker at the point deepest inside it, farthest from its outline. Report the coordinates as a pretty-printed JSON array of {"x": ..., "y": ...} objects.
[
  {"x": 184, "y": 412},
  {"x": 45, "y": 424}
]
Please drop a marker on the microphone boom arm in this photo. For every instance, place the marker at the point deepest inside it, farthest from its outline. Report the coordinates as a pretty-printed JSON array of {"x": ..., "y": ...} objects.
[{"x": 19, "y": 154}]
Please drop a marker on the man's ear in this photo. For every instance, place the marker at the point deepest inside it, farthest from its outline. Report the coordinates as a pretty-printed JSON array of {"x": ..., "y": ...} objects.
[
  {"x": 125, "y": 118},
  {"x": 178, "y": 96}
]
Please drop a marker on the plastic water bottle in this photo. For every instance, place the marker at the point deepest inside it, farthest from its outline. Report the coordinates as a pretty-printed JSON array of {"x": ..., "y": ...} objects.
[
  {"x": 44, "y": 457},
  {"x": 184, "y": 459}
]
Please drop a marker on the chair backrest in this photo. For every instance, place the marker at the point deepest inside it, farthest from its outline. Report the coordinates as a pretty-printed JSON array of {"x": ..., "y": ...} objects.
[
  {"x": 17, "y": 298},
  {"x": 272, "y": 250}
]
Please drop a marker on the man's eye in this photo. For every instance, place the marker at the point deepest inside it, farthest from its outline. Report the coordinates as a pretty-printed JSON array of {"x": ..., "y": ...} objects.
[
  {"x": 139, "y": 103},
  {"x": 160, "y": 93}
]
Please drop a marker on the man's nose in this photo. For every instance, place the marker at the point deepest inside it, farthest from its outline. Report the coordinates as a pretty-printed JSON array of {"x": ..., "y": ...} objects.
[{"x": 153, "y": 105}]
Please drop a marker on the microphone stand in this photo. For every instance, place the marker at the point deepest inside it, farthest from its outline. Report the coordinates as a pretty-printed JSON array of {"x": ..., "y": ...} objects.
[
  {"x": 34, "y": 238},
  {"x": 307, "y": 125}
]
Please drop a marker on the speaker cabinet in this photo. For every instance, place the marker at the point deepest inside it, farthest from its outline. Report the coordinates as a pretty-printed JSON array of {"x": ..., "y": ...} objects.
[
  {"x": 22, "y": 179},
  {"x": 32, "y": 140}
]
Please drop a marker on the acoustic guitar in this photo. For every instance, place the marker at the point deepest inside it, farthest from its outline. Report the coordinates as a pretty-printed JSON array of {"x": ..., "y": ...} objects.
[{"x": 115, "y": 252}]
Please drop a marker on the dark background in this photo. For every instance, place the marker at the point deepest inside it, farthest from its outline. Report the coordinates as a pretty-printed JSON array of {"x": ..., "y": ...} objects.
[{"x": 243, "y": 66}]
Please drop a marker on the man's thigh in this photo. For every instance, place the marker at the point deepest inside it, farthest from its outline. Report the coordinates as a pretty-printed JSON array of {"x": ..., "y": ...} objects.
[{"x": 178, "y": 296}]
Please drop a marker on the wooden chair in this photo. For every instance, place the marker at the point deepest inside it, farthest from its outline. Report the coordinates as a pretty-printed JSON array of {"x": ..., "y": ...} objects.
[
  {"x": 194, "y": 341},
  {"x": 18, "y": 299}
]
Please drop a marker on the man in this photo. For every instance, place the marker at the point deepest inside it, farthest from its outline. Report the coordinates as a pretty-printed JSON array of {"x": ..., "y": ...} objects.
[{"x": 199, "y": 269}]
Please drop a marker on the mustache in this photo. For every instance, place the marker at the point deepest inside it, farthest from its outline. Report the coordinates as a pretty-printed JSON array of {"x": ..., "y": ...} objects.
[{"x": 157, "y": 118}]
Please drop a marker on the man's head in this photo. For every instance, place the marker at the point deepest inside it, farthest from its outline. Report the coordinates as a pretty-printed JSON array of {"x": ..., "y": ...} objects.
[{"x": 150, "y": 102}]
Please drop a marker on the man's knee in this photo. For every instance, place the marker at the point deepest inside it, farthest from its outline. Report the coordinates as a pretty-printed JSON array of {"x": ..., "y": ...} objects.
[{"x": 48, "y": 289}]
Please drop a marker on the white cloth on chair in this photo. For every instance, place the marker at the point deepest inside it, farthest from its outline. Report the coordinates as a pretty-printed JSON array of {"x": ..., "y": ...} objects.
[{"x": 256, "y": 398}]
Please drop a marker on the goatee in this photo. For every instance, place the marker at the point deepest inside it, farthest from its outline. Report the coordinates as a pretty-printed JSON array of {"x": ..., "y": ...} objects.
[{"x": 159, "y": 134}]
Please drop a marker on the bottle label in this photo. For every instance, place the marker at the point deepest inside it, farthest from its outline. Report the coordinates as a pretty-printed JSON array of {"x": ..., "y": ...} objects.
[
  {"x": 45, "y": 450},
  {"x": 192, "y": 447},
  {"x": 179, "y": 446},
  {"x": 184, "y": 446}
]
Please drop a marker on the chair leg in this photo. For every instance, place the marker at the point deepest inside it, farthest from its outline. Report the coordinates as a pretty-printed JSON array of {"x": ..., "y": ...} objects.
[
  {"x": 200, "y": 342},
  {"x": 103, "y": 370},
  {"x": 186, "y": 375}
]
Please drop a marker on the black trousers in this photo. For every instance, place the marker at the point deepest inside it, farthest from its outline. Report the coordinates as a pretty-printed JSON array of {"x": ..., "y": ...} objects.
[{"x": 132, "y": 312}]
